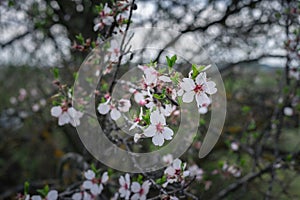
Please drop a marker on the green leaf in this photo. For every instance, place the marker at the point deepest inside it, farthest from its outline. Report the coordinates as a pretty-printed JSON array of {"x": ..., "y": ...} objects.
[
  {"x": 246, "y": 109},
  {"x": 26, "y": 187},
  {"x": 80, "y": 38},
  {"x": 140, "y": 179},
  {"x": 55, "y": 72},
  {"x": 44, "y": 191},
  {"x": 146, "y": 117},
  {"x": 195, "y": 71},
  {"x": 171, "y": 61}
]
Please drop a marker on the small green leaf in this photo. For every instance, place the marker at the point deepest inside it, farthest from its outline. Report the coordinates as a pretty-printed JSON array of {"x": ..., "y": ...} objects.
[
  {"x": 246, "y": 109},
  {"x": 55, "y": 72},
  {"x": 26, "y": 187},
  {"x": 171, "y": 61},
  {"x": 80, "y": 38},
  {"x": 195, "y": 71}
]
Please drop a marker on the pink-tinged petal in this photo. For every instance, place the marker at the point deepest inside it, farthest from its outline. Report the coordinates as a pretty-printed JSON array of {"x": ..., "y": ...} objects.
[
  {"x": 104, "y": 177},
  {"x": 103, "y": 108},
  {"x": 89, "y": 174},
  {"x": 170, "y": 171},
  {"x": 138, "y": 97},
  {"x": 158, "y": 140},
  {"x": 150, "y": 131},
  {"x": 203, "y": 110},
  {"x": 165, "y": 79},
  {"x": 201, "y": 78},
  {"x": 188, "y": 97},
  {"x": 135, "y": 187},
  {"x": 167, "y": 133},
  {"x": 188, "y": 84},
  {"x": 124, "y": 105},
  {"x": 177, "y": 163},
  {"x": 77, "y": 196},
  {"x": 56, "y": 111},
  {"x": 87, "y": 184},
  {"x": 115, "y": 114},
  {"x": 157, "y": 117},
  {"x": 202, "y": 99},
  {"x": 146, "y": 186},
  {"x": 135, "y": 197},
  {"x": 63, "y": 119},
  {"x": 211, "y": 87},
  {"x": 52, "y": 195}
]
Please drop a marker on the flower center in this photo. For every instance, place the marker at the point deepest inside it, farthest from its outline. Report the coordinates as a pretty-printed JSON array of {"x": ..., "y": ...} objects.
[
  {"x": 159, "y": 127},
  {"x": 141, "y": 192},
  {"x": 198, "y": 88},
  {"x": 126, "y": 186}
]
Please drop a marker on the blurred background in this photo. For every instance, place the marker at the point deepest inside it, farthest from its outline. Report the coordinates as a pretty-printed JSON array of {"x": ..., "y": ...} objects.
[{"x": 255, "y": 45}]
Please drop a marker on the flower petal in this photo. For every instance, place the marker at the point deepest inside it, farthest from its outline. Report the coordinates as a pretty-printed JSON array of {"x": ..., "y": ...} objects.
[
  {"x": 87, "y": 184},
  {"x": 63, "y": 119},
  {"x": 177, "y": 163},
  {"x": 167, "y": 133},
  {"x": 202, "y": 100},
  {"x": 56, "y": 111},
  {"x": 165, "y": 79},
  {"x": 156, "y": 118},
  {"x": 115, "y": 114},
  {"x": 77, "y": 196},
  {"x": 150, "y": 131},
  {"x": 89, "y": 174},
  {"x": 201, "y": 78},
  {"x": 158, "y": 140},
  {"x": 104, "y": 177},
  {"x": 135, "y": 197},
  {"x": 146, "y": 186},
  {"x": 188, "y": 97},
  {"x": 103, "y": 108},
  {"x": 52, "y": 195},
  {"x": 135, "y": 187},
  {"x": 211, "y": 87},
  {"x": 187, "y": 84}
]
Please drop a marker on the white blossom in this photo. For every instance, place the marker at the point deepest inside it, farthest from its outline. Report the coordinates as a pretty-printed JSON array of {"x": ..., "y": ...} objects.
[
  {"x": 200, "y": 88},
  {"x": 106, "y": 107},
  {"x": 176, "y": 172},
  {"x": 66, "y": 115},
  {"x": 124, "y": 190},
  {"x": 95, "y": 185},
  {"x": 288, "y": 111},
  {"x": 158, "y": 129},
  {"x": 140, "y": 191}
]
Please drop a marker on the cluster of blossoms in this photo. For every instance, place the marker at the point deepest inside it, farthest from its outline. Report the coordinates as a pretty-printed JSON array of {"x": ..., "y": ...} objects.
[
  {"x": 129, "y": 188},
  {"x": 139, "y": 191},
  {"x": 92, "y": 186},
  {"x": 231, "y": 170},
  {"x": 157, "y": 94},
  {"x": 114, "y": 14},
  {"x": 176, "y": 172},
  {"x": 31, "y": 95},
  {"x": 48, "y": 195}
]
